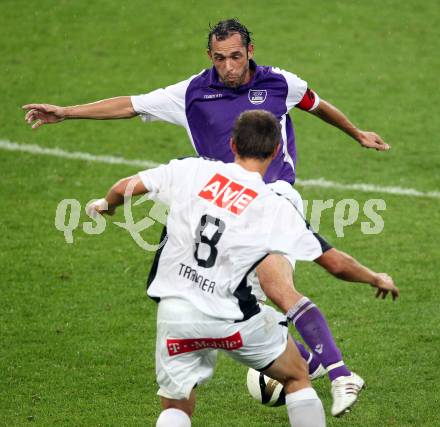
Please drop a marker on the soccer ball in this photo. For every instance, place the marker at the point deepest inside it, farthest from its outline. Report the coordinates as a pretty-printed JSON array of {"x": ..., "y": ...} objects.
[{"x": 265, "y": 390}]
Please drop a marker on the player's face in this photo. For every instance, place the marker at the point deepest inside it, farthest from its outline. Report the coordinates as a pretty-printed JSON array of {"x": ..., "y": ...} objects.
[{"x": 231, "y": 60}]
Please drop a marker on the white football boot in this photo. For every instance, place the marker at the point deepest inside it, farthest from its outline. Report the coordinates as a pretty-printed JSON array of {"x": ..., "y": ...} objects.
[
  {"x": 345, "y": 391},
  {"x": 319, "y": 372}
]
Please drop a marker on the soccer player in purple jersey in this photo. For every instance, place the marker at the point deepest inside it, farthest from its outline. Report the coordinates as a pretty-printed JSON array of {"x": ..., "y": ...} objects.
[{"x": 206, "y": 105}]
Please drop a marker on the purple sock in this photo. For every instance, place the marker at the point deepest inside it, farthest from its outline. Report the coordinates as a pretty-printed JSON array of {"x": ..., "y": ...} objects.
[
  {"x": 313, "y": 328},
  {"x": 310, "y": 358}
]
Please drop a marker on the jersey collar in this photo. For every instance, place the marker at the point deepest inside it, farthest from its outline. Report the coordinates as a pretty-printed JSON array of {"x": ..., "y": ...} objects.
[{"x": 253, "y": 176}]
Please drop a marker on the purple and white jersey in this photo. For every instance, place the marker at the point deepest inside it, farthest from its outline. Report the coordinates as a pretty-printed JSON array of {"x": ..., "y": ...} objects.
[{"x": 207, "y": 109}]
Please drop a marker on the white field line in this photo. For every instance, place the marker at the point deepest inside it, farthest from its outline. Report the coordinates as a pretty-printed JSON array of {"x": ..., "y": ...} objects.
[
  {"x": 76, "y": 155},
  {"x": 320, "y": 182},
  {"x": 369, "y": 188}
]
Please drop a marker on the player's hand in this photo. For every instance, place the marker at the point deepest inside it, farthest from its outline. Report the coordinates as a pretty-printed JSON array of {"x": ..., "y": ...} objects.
[
  {"x": 372, "y": 140},
  {"x": 385, "y": 284},
  {"x": 43, "y": 114},
  {"x": 99, "y": 207}
]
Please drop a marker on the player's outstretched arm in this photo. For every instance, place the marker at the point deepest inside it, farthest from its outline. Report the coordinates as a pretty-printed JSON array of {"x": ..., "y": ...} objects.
[
  {"x": 126, "y": 187},
  {"x": 345, "y": 267},
  {"x": 330, "y": 114},
  {"x": 112, "y": 108}
]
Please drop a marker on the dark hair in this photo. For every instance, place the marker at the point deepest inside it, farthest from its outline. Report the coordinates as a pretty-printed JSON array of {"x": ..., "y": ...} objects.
[
  {"x": 256, "y": 134},
  {"x": 224, "y": 29}
]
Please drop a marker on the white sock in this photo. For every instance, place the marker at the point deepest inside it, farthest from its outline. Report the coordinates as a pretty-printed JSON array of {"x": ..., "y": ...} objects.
[
  {"x": 305, "y": 409},
  {"x": 173, "y": 418}
]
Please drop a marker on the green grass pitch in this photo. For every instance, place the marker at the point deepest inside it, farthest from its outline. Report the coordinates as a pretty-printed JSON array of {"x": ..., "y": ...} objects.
[{"x": 76, "y": 329}]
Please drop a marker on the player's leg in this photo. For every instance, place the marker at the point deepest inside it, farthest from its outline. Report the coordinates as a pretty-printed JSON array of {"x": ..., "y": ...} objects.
[
  {"x": 179, "y": 371},
  {"x": 303, "y": 404},
  {"x": 313, "y": 328},
  {"x": 306, "y": 317},
  {"x": 329, "y": 355},
  {"x": 284, "y": 274},
  {"x": 343, "y": 381},
  {"x": 314, "y": 367},
  {"x": 177, "y": 413},
  {"x": 268, "y": 348}
]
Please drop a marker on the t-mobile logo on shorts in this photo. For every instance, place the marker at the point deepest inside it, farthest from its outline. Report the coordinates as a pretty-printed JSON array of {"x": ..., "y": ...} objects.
[
  {"x": 227, "y": 194},
  {"x": 187, "y": 345}
]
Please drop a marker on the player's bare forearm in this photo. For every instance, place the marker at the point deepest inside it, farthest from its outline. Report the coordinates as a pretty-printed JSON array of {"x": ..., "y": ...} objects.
[
  {"x": 330, "y": 114},
  {"x": 345, "y": 267},
  {"x": 106, "y": 109},
  {"x": 112, "y": 108},
  {"x": 115, "y": 196},
  {"x": 124, "y": 188}
]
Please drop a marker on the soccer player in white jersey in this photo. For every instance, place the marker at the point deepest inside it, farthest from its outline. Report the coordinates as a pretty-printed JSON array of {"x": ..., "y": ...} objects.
[
  {"x": 223, "y": 222},
  {"x": 206, "y": 105}
]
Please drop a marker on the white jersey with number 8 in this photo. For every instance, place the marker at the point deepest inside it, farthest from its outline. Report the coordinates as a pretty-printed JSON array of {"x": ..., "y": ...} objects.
[{"x": 223, "y": 221}]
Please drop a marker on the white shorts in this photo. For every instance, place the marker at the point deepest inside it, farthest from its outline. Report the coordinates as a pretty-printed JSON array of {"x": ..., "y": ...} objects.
[
  {"x": 188, "y": 341},
  {"x": 286, "y": 190}
]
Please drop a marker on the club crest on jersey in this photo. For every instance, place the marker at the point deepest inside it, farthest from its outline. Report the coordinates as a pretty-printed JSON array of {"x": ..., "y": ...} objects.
[
  {"x": 257, "y": 96},
  {"x": 227, "y": 194}
]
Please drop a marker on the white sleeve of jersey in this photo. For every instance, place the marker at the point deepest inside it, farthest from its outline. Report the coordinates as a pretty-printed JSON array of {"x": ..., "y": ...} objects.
[
  {"x": 158, "y": 182},
  {"x": 166, "y": 182},
  {"x": 296, "y": 87},
  {"x": 290, "y": 236},
  {"x": 166, "y": 104}
]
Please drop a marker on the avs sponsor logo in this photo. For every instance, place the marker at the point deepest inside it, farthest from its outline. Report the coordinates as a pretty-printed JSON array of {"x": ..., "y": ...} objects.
[
  {"x": 257, "y": 96},
  {"x": 227, "y": 194}
]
